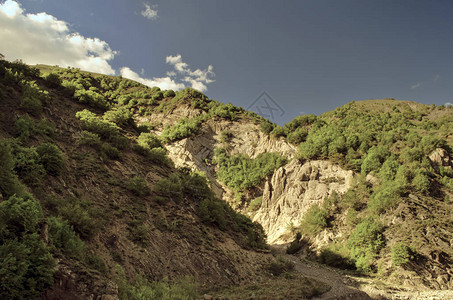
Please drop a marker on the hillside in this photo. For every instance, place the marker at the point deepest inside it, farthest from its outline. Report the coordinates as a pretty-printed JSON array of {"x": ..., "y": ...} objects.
[
  {"x": 91, "y": 205},
  {"x": 127, "y": 190}
]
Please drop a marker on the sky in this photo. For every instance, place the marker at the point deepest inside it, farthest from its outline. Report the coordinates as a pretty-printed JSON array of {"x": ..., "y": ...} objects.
[{"x": 278, "y": 58}]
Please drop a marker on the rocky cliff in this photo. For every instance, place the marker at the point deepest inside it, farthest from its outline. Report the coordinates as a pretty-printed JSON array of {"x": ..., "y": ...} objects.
[
  {"x": 196, "y": 152},
  {"x": 293, "y": 189}
]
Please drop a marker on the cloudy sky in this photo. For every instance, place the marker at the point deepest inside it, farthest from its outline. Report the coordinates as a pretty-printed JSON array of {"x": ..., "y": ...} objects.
[{"x": 307, "y": 56}]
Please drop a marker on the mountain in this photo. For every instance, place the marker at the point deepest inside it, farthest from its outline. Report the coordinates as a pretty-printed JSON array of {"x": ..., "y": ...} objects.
[{"x": 110, "y": 189}]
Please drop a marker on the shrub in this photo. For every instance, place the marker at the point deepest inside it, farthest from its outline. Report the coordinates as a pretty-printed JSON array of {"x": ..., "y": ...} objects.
[
  {"x": 24, "y": 128},
  {"x": 239, "y": 172},
  {"x": 89, "y": 138},
  {"x": 63, "y": 237},
  {"x": 110, "y": 152},
  {"x": 314, "y": 220},
  {"x": 266, "y": 126},
  {"x": 373, "y": 161},
  {"x": 31, "y": 99},
  {"x": 145, "y": 127},
  {"x": 77, "y": 212},
  {"x": 430, "y": 142},
  {"x": 277, "y": 132},
  {"x": 336, "y": 256},
  {"x": 120, "y": 116},
  {"x": 138, "y": 232},
  {"x": 226, "y": 111},
  {"x": 421, "y": 182},
  {"x": 51, "y": 157},
  {"x": 212, "y": 211},
  {"x": 402, "y": 254},
  {"x": 226, "y": 136},
  {"x": 295, "y": 245},
  {"x": 149, "y": 141},
  {"x": 9, "y": 183},
  {"x": 255, "y": 204},
  {"x": 93, "y": 123},
  {"x": 138, "y": 186},
  {"x": 365, "y": 243},
  {"x": 183, "y": 129},
  {"x": 170, "y": 188},
  {"x": 184, "y": 288},
  {"x": 53, "y": 80},
  {"x": 91, "y": 98},
  {"x": 280, "y": 266},
  {"x": 28, "y": 166},
  {"x": 26, "y": 263},
  {"x": 386, "y": 197},
  {"x": 298, "y": 136},
  {"x": 169, "y": 94}
]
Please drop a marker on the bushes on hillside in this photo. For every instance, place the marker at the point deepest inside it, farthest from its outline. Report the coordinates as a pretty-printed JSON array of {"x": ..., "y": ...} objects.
[
  {"x": 25, "y": 127},
  {"x": 239, "y": 172},
  {"x": 93, "y": 123},
  {"x": 386, "y": 197},
  {"x": 63, "y": 237},
  {"x": 51, "y": 157},
  {"x": 26, "y": 263},
  {"x": 185, "y": 288},
  {"x": 28, "y": 166},
  {"x": 138, "y": 186},
  {"x": 314, "y": 220},
  {"x": 33, "y": 98},
  {"x": 149, "y": 141},
  {"x": 53, "y": 80},
  {"x": 89, "y": 138},
  {"x": 402, "y": 254},
  {"x": 183, "y": 128},
  {"x": 169, "y": 94},
  {"x": 365, "y": 243},
  {"x": 120, "y": 116},
  {"x": 9, "y": 183},
  {"x": 169, "y": 188}
]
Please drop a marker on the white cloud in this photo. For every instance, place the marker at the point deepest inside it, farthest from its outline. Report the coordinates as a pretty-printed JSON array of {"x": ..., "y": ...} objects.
[
  {"x": 198, "y": 78},
  {"x": 448, "y": 104},
  {"x": 42, "y": 38},
  {"x": 416, "y": 86},
  {"x": 150, "y": 12},
  {"x": 11, "y": 8},
  {"x": 165, "y": 83},
  {"x": 437, "y": 77}
]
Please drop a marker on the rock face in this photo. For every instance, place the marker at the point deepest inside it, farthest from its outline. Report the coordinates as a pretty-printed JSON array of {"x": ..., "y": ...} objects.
[
  {"x": 439, "y": 157},
  {"x": 196, "y": 152},
  {"x": 293, "y": 189}
]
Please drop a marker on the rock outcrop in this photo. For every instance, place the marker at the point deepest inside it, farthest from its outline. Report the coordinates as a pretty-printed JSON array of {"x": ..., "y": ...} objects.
[
  {"x": 293, "y": 189},
  {"x": 196, "y": 152},
  {"x": 440, "y": 158}
]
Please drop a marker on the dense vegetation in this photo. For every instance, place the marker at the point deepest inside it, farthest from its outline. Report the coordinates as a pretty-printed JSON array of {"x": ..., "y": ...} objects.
[
  {"x": 240, "y": 172},
  {"x": 390, "y": 141}
]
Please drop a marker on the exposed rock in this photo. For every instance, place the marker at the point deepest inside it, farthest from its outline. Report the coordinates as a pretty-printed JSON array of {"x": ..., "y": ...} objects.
[
  {"x": 440, "y": 157},
  {"x": 293, "y": 189},
  {"x": 196, "y": 152}
]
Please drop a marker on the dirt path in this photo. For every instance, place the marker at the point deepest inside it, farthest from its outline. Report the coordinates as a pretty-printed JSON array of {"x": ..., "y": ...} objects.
[
  {"x": 351, "y": 287},
  {"x": 343, "y": 287}
]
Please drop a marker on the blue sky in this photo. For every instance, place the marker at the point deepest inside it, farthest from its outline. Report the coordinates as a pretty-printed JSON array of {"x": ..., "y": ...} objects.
[{"x": 309, "y": 56}]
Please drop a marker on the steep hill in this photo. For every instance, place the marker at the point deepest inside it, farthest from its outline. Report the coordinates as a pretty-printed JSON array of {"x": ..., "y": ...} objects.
[{"x": 91, "y": 207}]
